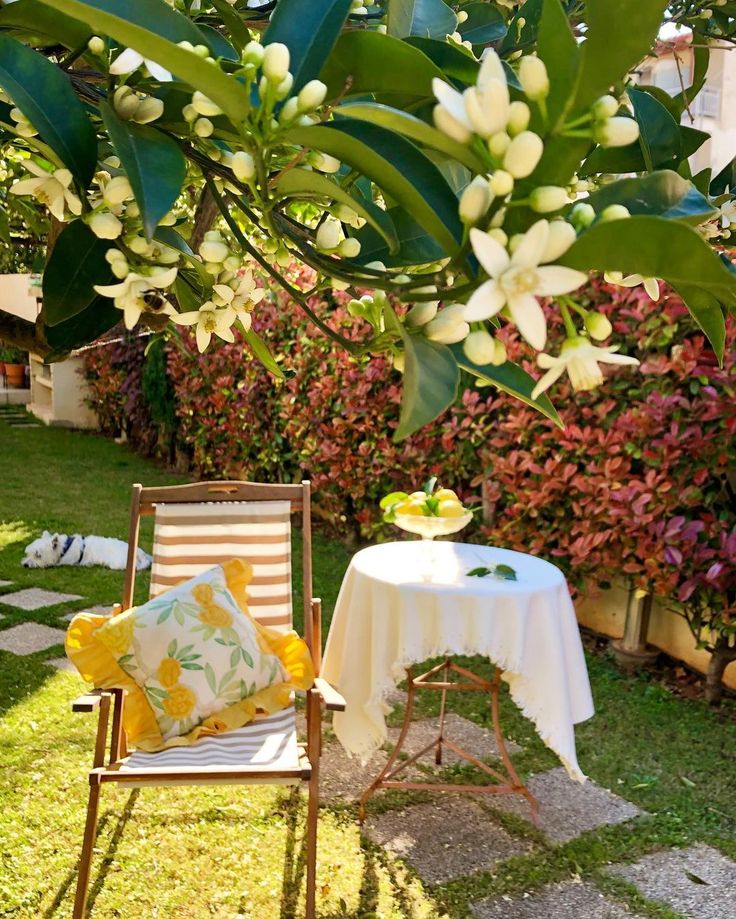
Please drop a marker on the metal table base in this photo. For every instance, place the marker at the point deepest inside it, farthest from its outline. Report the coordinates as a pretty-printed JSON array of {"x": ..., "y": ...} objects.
[{"x": 507, "y": 781}]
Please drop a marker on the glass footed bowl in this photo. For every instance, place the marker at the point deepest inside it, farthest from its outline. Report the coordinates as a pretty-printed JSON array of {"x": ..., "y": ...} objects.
[{"x": 429, "y": 527}]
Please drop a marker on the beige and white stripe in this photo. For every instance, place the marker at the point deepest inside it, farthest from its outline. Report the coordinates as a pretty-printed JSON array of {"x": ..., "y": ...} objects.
[
  {"x": 190, "y": 538},
  {"x": 270, "y": 743}
]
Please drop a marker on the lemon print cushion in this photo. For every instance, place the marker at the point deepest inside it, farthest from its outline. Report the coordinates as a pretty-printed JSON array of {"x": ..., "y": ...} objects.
[{"x": 193, "y": 660}]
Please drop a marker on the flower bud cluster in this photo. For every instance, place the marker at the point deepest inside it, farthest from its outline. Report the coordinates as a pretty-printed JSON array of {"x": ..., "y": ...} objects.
[
  {"x": 130, "y": 105},
  {"x": 610, "y": 129}
]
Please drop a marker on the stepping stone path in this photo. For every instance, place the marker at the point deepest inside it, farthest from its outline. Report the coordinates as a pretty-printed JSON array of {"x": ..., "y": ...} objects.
[
  {"x": 567, "y": 808},
  {"x": 35, "y": 598},
  {"x": 444, "y": 839},
  {"x": 559, "y": 901},
  {"x": 698, "y": 882},
  {"x": 63, "y": 663},
  {"x": 5, "y": 583},
  {"x": 478, "y": 741},
  {"x": 29, "y": 637}
]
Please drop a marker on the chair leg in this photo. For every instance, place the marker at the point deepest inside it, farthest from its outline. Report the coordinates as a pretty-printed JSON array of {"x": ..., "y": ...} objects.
[
  {"x": 313, "y": 743},
  {"x": 85, "y": 861}
]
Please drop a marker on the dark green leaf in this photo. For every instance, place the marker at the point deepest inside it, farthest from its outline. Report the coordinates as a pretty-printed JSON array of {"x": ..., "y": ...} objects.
[
  {"x": 485, "y": 24},
  {"x": 87, "y": 326},
  {"x": 454, "y": 62},
  {"x": 309, "y": 28},
  {"x": 618, "y": 36},
  {"x": 691, "y": 140},
  {"x": 663, "y": 193},
  {"x": 153, "y": 29},
  {"x": 153, "y": 162},
  {"x": 523, "y": 27},
  {"x": 219, "y": 45},
  {"x": 706, "y": 311},
  {"x": 396, "y": 166},
  {"x": 428, "y": 18},
  {"x": 352, "y": 67},
  {"x": 431, "y": 379},
  {"x": 558, "y": 49},
  {"x": 169, "y": 237},
  {"x": 44, "y": 95},
  {"x": 260, "y": 349},
  {"x": 235, "y": 26},
  {"x": 653, "y": 247},
  {"x": 725, "y": 180},
  {"x": 34, "y": 19},
  {"x": 77, "y": 262},
  {"x": 505, "y": 571},
  {"x": 303, "y": 183},
  {"x": 416, "y": 246},
  {"x": 509, "y": 378},
  {"x": 410, "y": 126},
  {"x": 659, "y": 133}
]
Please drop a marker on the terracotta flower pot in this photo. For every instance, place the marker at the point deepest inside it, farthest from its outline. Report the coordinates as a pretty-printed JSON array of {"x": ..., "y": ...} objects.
[{"x": 15, "y": 374}]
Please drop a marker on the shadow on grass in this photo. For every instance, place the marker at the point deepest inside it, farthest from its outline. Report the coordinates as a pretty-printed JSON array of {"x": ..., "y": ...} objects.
[{"x": 20, "y": 677}]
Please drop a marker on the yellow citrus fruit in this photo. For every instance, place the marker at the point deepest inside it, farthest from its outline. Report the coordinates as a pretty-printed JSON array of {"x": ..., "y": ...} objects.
[
  {"x": 450, "y": 508},
  {"x": 418, "y": 496},
  {"x": 414, "y": 508},
  {"x": 446, "y": 494}
]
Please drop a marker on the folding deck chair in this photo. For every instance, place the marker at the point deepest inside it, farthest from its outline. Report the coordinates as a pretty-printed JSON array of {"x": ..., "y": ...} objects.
[{"x": 196, "y": 527}]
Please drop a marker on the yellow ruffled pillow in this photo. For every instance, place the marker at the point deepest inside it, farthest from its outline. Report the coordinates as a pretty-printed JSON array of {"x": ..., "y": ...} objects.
[{"x": 193, "y": 660}]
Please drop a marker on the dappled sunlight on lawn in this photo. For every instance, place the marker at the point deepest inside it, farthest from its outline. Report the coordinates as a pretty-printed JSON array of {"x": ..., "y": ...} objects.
[{"x": 14, "y": 531}]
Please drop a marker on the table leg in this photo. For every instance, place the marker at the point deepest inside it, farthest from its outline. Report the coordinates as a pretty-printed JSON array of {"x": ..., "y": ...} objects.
[{"x": 505, "y": 782}]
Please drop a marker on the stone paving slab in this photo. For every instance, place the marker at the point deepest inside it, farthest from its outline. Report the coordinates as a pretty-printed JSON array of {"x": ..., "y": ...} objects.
[
  {"x": 63, "y": 663},
  {"x": 103, "y": 609},
  {"x": 5, "y": 583},
  {"x": 35, "y": 598},
  {"x": 698, "y": 882},
  {"x": 560, "y": 901},
  {"x": 478, "y": 741},
  {"x": 567, "y": 808},
  {"x": 29, "y": 637},
  {"x": 444, "y": 839},
  {"x": 343, "y": 778}
]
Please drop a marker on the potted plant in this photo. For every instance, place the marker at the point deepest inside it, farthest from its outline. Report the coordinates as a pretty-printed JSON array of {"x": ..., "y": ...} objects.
[{"x": 14, "y": 363}]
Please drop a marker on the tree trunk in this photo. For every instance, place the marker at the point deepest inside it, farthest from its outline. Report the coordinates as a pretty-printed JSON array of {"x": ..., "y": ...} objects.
[{"x": 723, "y": 654}]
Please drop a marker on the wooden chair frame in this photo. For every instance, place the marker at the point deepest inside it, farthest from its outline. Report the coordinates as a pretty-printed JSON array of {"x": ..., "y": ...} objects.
[{"x": 108, "y": 703}]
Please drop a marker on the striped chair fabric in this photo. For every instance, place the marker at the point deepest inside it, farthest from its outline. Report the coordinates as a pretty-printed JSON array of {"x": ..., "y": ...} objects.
[
  {"x": 267, "y": 743},
  {"x": 188, "y": 539}
]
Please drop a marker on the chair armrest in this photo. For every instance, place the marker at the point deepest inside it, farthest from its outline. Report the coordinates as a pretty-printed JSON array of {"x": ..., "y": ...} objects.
[
  {"x": 90, "y": 701},
  {"x": 331, "y": 698}
]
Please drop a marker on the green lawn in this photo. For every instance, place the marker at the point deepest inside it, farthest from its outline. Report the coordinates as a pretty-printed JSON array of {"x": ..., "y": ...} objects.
[{"x": 228, "y": 852}]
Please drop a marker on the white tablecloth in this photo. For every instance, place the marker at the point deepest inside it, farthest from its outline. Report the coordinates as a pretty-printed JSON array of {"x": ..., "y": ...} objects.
[{"x": 404, "y": 602}]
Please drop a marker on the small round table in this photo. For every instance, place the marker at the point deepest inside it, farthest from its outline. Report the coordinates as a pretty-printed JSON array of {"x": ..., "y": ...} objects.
[{"x": 405, "y": 602}]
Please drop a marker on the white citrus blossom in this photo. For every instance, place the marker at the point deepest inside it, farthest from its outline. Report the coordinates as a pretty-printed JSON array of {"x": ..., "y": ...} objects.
[
  {"x": 131, "y": 60},
  {"x": 580, "y": 359},
  {"x": 23, "y": 125},
  {"x": 130, "y": 294},
  {"x": 482, "y": 109},
  {"x": 651, "y": 285},
  {"x": 209, "y": 321},
  {"x": 105, "y": 225},
  {"x": 50, "y": 188},
  {"x": 516, "y": 281},
  {"x": 241, "y": 298},
  {"x": 480, "y": 347},
  {"x": 448, "y": 326}
]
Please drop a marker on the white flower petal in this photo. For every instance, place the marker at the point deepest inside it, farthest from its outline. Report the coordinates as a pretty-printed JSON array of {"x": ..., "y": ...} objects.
[
  {"x": 186, "y": 318},
  {"x": 157, "y": 71},
  {"x": 489, "y": 252},
  {"x": 452, "y": 100},
  {"x": 547, "y": 361},
  {"x": 226, "y": 334},
  {"x": 651, "y": 286},
  {"x": 485, "y": 302},
  {"x": 112, "y": 290},
  {"x": 203, "y": 338},
  {"x": 27, "y": 186},
  {"x": 529, "y": 252},
  {"x": 126, "y": 62},
  {"x": 550, "y": 377},
  {"x": 163, "y": 278},
  {"x": 556, "y": 279},
  {"x": 530, "y": 320},
  {"x": 607, "y": 357},
  {"x": 131, "y": 313},
  {"x": 491, "y": 68}
]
